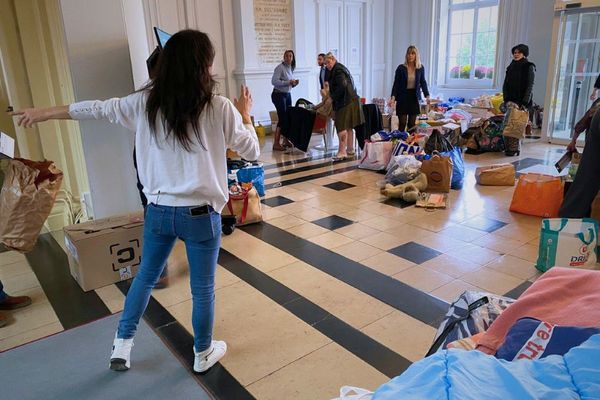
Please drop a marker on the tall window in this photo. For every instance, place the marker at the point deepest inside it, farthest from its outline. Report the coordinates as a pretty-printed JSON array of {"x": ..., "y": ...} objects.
[{"x": 469, "y": 52}]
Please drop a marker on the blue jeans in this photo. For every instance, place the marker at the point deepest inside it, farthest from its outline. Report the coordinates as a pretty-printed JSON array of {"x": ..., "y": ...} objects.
[
  {"x": 202, "y": 237},
  {"x": 281, "y": 101}
]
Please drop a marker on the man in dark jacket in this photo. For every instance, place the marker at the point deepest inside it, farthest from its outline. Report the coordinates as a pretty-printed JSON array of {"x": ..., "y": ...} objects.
[
  {"x": 585, "y": 186},
  {"x": 518, "y": 88}
]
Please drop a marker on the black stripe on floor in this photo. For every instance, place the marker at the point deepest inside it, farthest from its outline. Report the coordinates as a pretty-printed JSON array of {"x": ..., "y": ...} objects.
[
  {"x": 518, "y": 291},
  {"x": 374, "y": 353},
  {"x": 299, "y": 161},
  {"x": 411, "y": 301},
  {"x": 306, "y": 168},
  {"x": 217, "y": 381},
  {"x": 309, "y": 177},
  {"x": 72, "y": 305}
]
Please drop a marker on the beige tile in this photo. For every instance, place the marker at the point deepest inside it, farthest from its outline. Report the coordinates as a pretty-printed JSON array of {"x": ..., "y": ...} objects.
[
  {"x": 498, "y": 243},
  {"x": 442, "y": 243},
  {"x": 255, "y": 252},
  {"x": 30, "y": 336},
  {"x": 286, "y": 222},
  {"x": 330, "y": 240},
  {"x": 527, "y": 252},
  {"x": 433, "y": 223},
  {"x": 318, "y": 375},
  {"x": 11, "y": 257},
  {"x": 450, "y": 291},
  {"x": 387, "y": 263},
  {"x": 357, "y": 231},
  {"x": 250, "y": 323},
  {"x": 464, "y": 233},
  {"x": 357, "y": 215},
  {"x": 307, "y": 230},
  {"x": 17, "y": 283},
  {"x": 514, "y": 266},
  {"x": 356, "y": 251},
  {"x": 224, "y": 278},
  {"x": 409, "y": 233},
  {"x": 28, "y": 318},
  {"x": 403, "y": 334},
  {"x": 423, "y": 279},
  {"x": 14, "y": 269},
  {"x": 474, "y": 254},
  {"x": 299, "y": 196},
  {"x": 293, "y": 207},
  {"x": 334, "y": 208},
  {"x": 340, "y": 299},
  {"x": 517, "y": 233},
  {"x": 269, "y": 213},
  {"x": 177, "y": 291},
  {"x": 492, "y": 281},
  {"x": 383, "y": 223},
  {"x": 385, "y": 241},
  {"x": 112, "y": 297},
  {"x": 446, "y": 264},
  {"x": 312, "y": 214}
]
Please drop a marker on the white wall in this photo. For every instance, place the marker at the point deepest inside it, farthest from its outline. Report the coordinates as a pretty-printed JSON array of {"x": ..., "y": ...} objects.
[
  {"x": 100, "y": 65},
  {"x": 540, "y": 44}
]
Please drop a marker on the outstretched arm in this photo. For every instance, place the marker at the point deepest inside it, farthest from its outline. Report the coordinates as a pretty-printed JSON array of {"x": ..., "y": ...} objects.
[{"x": 30, "y": 116}]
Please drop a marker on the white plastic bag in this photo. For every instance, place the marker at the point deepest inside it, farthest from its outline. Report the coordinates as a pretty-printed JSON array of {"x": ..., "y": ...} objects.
[
  {"x": 376, "y": 155},
  {"x": 404, "y": 168},
  {"x": 567, "y": 243},
  {"x": 354, "y": 393}
]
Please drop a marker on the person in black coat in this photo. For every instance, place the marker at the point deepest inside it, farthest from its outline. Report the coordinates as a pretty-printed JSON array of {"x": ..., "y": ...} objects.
[
  {"x": 409, "y": 81},
  {"x": 518, "y": 88}
]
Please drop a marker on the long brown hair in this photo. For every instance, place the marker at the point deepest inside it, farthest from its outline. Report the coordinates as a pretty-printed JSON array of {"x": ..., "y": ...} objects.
[{"x": 183, "y": 86}]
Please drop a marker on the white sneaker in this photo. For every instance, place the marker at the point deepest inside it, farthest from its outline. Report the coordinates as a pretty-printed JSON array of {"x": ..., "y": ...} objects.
[
  {"x": 120, "y": 356},
  {"x": 209, "y": 357}
]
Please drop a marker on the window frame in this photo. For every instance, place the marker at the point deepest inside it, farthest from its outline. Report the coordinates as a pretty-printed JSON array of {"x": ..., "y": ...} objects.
[{"x": 444, "y": 27}]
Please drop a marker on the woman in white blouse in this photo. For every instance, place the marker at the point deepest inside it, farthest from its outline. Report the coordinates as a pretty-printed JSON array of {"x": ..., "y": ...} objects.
[{"x": 182, "y": 132}]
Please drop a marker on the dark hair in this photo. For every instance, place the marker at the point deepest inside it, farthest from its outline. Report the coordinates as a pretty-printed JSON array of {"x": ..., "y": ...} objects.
[
  {"x": 183, "y": 86},
  {"x": 522, "y": 48},
  {"x": 293, "y": 58},
  {"x": 321, "y": 55}
]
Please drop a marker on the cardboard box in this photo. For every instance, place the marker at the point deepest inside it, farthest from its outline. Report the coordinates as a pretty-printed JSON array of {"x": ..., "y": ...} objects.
[
  {"x": 274, "y": 117},
  {"x": 7, "y": 146},
  {"x": 105, "y": 251}
]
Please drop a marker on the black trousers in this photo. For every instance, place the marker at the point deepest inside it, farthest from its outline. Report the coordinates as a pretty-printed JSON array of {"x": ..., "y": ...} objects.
[
  {"x": 585, "y": 186},
  {"x": 282, "y": 102}
]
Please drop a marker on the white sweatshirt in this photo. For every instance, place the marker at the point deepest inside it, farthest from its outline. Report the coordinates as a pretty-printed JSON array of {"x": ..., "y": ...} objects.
[{"x": 171, "y": 175}]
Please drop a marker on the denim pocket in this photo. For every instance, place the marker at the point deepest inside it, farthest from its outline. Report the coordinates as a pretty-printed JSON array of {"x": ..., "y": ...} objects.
[
  {"x": 153, "y": 218},
  {"x": 200, "y": 228}
]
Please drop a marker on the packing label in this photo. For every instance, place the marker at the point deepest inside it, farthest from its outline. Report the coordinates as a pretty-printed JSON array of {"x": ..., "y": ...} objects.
[{"x": 125, "y": 273}]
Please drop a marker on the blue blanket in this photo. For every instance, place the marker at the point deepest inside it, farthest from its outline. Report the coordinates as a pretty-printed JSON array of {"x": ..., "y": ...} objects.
[{"x": 458, "y": 374}]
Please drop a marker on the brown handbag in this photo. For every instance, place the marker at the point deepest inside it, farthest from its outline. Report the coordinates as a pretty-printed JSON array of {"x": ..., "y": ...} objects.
[
  {"x": 439, "y": 173},
  {"x": 495, "y": 175},
  {"x": 515, "y": 122},
  {"x": 244, "y": 204}
]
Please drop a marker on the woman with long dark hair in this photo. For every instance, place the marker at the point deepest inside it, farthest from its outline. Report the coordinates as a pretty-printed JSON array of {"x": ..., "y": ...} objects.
[
  {"x": 283, "y": 81},
  {"x": 409, "y": 81},
  {"x": 182, "y": 132},
  {"x": 518, "y": 89}
]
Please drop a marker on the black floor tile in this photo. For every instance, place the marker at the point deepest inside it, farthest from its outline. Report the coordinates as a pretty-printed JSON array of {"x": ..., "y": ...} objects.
[
  {"x": 72, "y": 305},
  {"x": 361, "y": 345},
  {"x": 339, "y": 185},
  {"x": 417, "y": 304},
  {"x": 485, "y": 224},
  {"x": 414, "y": 252},
  {"x": 398, "y": 203},
  {"x": 333, "y": 222},
  {"x": 518, "y": 291},
  {"x": 277, "y": 201}
]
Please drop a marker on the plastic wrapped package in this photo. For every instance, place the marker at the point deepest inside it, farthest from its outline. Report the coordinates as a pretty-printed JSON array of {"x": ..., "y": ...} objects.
[{"x": 404, "y": 168}]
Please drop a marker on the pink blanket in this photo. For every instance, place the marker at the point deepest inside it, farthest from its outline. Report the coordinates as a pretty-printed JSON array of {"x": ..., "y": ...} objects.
[{"x": 563, "y": 296}]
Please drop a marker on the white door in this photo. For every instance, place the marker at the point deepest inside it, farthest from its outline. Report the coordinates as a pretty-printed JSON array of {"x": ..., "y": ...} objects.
[{"x": 578, "y": 66}]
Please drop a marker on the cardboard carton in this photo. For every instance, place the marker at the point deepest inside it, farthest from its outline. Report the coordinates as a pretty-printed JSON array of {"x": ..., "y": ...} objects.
[{"x": 105, "y": 251}]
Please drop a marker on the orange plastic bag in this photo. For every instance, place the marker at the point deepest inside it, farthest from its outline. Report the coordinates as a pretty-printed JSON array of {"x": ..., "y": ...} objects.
[{"x": 537, "y": 194}]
